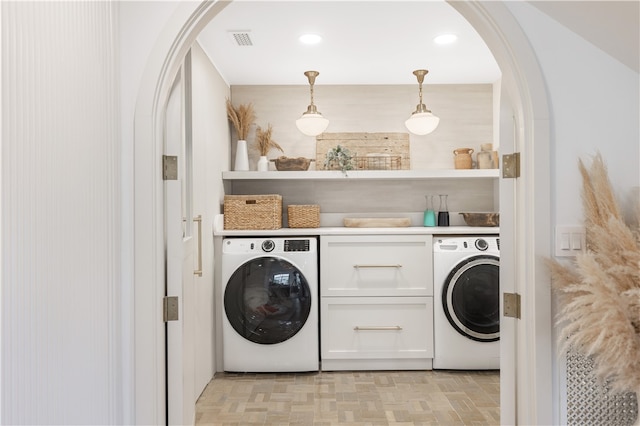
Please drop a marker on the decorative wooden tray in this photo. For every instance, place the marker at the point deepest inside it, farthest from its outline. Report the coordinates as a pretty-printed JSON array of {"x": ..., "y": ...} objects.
[{"x": 376, "y": 222}]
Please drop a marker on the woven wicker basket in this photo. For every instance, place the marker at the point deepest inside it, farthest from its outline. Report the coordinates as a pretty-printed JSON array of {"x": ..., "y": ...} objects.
[
  {"x": 303, "y": 216},
  {"x": 253, "y": 211}
]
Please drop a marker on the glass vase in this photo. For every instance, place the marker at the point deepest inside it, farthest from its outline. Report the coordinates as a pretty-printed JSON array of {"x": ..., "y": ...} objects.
[
  {"x": 443, "y": 212},
  {"x": 429, "y": 213}
]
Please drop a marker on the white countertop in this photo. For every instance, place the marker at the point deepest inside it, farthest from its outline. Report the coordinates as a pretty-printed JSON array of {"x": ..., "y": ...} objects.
[{"x": 218, "y": 230}]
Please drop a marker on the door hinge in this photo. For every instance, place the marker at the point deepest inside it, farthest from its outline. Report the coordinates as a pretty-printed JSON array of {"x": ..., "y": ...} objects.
[
  {"x": 170, "y": 308},
  {"x": 511, "y": 303},
  {"x": 511, "y": 165},
  {"x": 169, "y": 167}
]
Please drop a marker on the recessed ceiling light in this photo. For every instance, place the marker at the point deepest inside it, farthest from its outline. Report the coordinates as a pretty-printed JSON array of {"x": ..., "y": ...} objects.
[
  {"x": 445, "y": 39},
  {"x": 310, "y": 39}
]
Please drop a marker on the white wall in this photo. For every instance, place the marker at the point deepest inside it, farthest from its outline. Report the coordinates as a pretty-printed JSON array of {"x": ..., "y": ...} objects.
[
  {"x": 60, "y": 231},
  {"x": 140, "y": 23},
  {"x": 211, "y": 157},
  {"x": 594, "y": 105}
]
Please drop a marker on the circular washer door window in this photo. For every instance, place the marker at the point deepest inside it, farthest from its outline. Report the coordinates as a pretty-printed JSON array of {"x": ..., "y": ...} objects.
[
  {"x": 471, "y": 298},
  {"x": 267, "y": 300}
]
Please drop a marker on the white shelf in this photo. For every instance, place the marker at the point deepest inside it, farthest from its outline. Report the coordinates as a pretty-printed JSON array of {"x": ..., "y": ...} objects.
[{"x": 365, "y": 174}]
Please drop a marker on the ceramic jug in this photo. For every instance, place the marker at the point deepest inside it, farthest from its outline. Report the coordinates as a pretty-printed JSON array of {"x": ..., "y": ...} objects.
[
  {"x": 462, "y": 158},
  {"x": 485, "y": 157}
]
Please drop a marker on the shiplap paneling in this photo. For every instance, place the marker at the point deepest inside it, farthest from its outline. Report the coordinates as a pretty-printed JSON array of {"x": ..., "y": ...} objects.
[
  {"x": 465, "y": 111},
  {"x": 466, "y": 120},
  {"x": 394, "y": 197},
  {"x": 60, "y": 214}
]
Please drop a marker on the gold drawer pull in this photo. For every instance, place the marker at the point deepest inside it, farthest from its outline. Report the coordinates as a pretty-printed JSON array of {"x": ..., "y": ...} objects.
[
  {"x": 377, "y": 266},
  {"x": 378, "y": 328}
]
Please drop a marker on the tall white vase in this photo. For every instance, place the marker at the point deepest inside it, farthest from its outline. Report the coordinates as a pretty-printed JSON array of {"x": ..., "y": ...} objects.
[
  {"x": 263, "y": 164},
  {"x": 242, "y": 156}
]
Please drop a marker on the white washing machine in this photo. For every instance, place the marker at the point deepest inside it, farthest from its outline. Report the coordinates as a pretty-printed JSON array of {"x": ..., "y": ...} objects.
[
  {"x": 270, "y": 304},
  {"x": 466, "y": 293}
]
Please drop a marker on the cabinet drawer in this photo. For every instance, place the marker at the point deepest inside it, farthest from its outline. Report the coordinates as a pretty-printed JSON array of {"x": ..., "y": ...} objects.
[
  {"x": 376, "y": 328},
  {"x": 376, "y": 265}
]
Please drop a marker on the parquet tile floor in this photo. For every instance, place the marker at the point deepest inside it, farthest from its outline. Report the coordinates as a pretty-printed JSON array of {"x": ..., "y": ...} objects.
[{"x": 352, "y": 398}]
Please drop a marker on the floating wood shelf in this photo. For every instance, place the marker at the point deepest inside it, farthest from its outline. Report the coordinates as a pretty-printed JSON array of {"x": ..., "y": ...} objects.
[{"x": 365, "y": 174}]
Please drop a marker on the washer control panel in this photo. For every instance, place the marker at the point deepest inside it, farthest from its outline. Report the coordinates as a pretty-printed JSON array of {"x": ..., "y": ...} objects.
[
  {"x": 269, "y": 245},
  {"x": 296, "y": 245}
]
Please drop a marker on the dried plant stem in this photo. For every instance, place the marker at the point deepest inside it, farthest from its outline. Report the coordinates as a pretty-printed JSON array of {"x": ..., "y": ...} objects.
[
  {"x": 242, "y": 117},
  {"x": 600, "y": 294},
  {"x": 265, "y": 142}
]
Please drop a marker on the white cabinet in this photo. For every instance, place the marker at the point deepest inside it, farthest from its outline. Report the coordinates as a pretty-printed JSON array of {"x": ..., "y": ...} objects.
[
  {"x": 376, "y": 333},
  {"x": 376, "y": 265},
  {"x": 376, "y": 304}
]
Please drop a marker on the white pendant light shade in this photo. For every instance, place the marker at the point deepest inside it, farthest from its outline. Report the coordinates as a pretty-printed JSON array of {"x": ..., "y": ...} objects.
[
  {"x": 422, "y": 121},
  {"x": 312, "y": 123}
]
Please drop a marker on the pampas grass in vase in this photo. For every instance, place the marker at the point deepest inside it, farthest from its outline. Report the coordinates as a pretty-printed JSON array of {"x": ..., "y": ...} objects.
[
  {"x": 599, "y": 295},
  {"x": 242, "y": 117},
  {"x": 265, "y": 144}
]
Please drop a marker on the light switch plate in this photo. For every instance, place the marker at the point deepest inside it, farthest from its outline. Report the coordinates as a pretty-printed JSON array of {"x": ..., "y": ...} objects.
[{"x": 570, "y": 240}]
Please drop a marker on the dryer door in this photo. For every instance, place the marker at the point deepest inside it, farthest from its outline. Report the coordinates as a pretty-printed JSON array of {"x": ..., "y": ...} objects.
[
  {"x": 267, "y": 300},
  {"x": 471, "y": 298}
]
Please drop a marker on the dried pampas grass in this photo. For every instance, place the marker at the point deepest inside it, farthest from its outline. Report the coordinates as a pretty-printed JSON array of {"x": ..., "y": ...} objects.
[
  {"x": 242, "y": 117},
  {"x": 600, "y": 295},
  {"x": 265, "y": 143}
]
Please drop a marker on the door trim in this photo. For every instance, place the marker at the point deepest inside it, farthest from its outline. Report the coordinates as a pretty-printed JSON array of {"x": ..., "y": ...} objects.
[
  {"x": 148, "y": 363},
  {"x": 522, "y": 80}
]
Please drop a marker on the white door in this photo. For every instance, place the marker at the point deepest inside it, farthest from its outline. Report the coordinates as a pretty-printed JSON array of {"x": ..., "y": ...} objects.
[
  {"x": 181, "y": 255},
  {"x": 508, "y": 370}
]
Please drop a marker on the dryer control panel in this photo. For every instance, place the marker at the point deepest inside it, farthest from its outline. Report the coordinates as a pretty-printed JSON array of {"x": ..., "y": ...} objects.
[{"x": 472, "y": 244}]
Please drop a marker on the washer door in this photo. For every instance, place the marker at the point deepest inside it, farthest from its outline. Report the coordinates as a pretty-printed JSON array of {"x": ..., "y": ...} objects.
[
  {"x": 471, "y": 298},
  {"x": 267, "y": 300}
]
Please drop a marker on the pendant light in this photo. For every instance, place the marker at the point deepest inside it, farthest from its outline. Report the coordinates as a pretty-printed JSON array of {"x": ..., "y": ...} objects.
[
  {"x": 422, "y": 121},
  {"x": 312, "y": 123}
]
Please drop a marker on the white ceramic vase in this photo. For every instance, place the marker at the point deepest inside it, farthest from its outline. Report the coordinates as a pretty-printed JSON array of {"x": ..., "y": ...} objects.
[
  {"x": 263, "y": 164},
  {"x": 242, "y": 156}
]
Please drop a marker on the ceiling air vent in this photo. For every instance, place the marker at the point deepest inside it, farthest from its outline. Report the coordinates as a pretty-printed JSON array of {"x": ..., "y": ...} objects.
[{"x": 241, "y": 38}]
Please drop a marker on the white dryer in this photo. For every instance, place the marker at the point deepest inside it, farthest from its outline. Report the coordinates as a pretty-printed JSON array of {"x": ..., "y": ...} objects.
[
  {"x": 466, "y": 302},
  {"x": 270, "y": 304}
]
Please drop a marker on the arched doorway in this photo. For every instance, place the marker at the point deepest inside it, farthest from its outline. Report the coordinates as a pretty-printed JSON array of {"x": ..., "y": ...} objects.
[{"x": 525, "y": 228}]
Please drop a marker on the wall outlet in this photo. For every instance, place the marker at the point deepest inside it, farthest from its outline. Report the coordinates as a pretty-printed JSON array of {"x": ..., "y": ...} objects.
[{"x": 570, "y": 240}]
